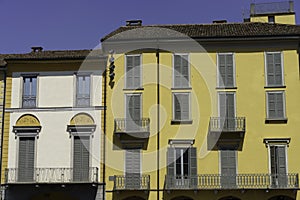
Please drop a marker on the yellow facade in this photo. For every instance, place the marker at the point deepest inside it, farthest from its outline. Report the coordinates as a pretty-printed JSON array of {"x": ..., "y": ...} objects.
[{"x": 250, "y": 101}]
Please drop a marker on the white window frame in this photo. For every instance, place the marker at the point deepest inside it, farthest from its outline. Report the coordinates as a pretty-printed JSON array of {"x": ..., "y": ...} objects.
[
  {"x": 125, "y": 70},
  {"x": 266, "y": 70},
  {"x": 234, "y": 99},
  {"x": 181, "y": 160},
  {"x": 234, "y": 70},
  {"x": 75, "y": 87},
  {"x": 22, "y": 88},
  {"x": 189, "y": 69},
  {"x": 283, "y": 102},
  {"x": 173, "y": 106}
]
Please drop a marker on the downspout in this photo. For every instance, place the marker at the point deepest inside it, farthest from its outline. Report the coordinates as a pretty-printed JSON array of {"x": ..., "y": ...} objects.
[
  {"x": 158, "y": 121},
  {"x": 3, "y": 114},
  {"x": 104, "y": 133}
]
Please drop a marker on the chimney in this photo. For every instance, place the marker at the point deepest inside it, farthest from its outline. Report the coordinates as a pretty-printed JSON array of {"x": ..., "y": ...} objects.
[
  {"x": 36, "y": 49},
  {"x": 222, "y": 21},
  {"x": 136, "y": 22}
]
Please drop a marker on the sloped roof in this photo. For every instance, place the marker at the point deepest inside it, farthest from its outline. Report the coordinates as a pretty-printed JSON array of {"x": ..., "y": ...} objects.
[{"x": 217, "y": 30}]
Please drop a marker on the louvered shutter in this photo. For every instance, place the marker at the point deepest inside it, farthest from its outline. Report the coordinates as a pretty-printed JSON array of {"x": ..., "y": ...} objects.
[
  {"x": 133, "y": 112},
  {"x": 274, "y": 69},
  {"x": 177, "y": 71},
  {"x": 275, "y": 105},
  {"x": 222, "y": 70},
  {"x": 129, "y": 72},
  {"x": 184, "y": 106},
  {"x": 81, "y": 159},
  {"x": 277, "y": 69},
  {"x": 185, "y": 71},
  {"x": 181, "y": 71},
  {"x": 229, "y": 70},
  {"x": 230, "y": 111},
  {"x": 26, "y": 159},
  {"x": 279, "y": 105},
  {"x": 137, "y": 71},
  {"x": 271, "y": 105},
  {"x": 228, "y": 168},
  {"x": 177, "y": 107},
  {"x": 171, "y": 167},
  {"x": 133, "y": 168},
  {"x": 270, "y": 70},
  {"x": 193, "y": 167},
  {"x": 281, "y": 162}
]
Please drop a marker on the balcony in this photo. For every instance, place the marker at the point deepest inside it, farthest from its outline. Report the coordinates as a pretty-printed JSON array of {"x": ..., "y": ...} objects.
[
  {"x": 132, "y": 133},
  {"x": 132, "y": 182},
  {"x": 226, "y": 133},
  {"x": 50, "y": 175},
  {"x": 238, "y": 181}
]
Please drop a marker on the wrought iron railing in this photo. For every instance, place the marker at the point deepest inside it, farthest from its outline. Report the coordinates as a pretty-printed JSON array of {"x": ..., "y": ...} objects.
[
  {"x": 28, "y": 101},
  {"x": 51, "y": 175},
  {"x": 273, "y": 7},
  {"x": 126, "y": 125},
  {"x": 238, "y": 181},
  {"x": 132, "y": 182},
  {"x": 221, "y": 124}
]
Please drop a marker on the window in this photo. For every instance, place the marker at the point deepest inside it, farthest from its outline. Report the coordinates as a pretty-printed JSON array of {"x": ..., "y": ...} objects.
[
  {"x": 226, "y": 73},
  {"x": 181, "y": 106},
  {"x": 275, "y": 105},
  {"x": 83, "y": 91},
  {"x": 26, "y": 159},
  {"x": 29, "y": 91},
  {"x": 182, "y": 167},
  {"x": 278, "y": 165},
  {"x": 133, "y": 168},
  {"x": 271, "y": 19},
  {"x": 227, "y": 110},
  {"x": 133, "y": 112},
  {"x": 181, "y": 71},
  {"x": 133, "y": 71},
  {"x": 274, "y": 69},
  {"x": 228, "y": 168},
  {"x": 81, "y": 154}
]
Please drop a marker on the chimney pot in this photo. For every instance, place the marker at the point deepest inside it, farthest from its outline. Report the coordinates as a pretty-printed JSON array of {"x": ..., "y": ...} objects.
[{"x": 37, "y": 49}]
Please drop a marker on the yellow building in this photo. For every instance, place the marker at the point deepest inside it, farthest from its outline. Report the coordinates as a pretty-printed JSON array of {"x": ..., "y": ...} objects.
[{"x": 204, "y": 111}]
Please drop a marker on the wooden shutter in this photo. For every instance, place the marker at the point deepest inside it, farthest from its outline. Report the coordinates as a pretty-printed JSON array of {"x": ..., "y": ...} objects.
[
  {"x": 137, "y": 71},
  {"x": 228, "y": 168},
  {"x": 181, "y": 71},
  {"x": 278, "y": 166},
  {"x": 181, "y": 106},
  {"x": 193, "y": 167},
  {"x": 226, "y": 76},
  {"x": 133, "y": 112},
  {"x": 26, "y": 159},
  {"x": 171, "y": 161},
  {"x": 229, "y": 70},
  {"x": 132, "y": 168},
  {"x": 279, "y": 105},
  {"x": 129, "y": 72},
  {"x": 274, "y": 69},
  {"x": 81, "y": 158},
  {"x": 275, "y": 105},
  {"x": 222, "y": 70}
]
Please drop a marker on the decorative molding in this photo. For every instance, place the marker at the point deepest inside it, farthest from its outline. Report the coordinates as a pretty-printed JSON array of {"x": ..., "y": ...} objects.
[
  {"x": 52, "y": 109},
  {"x": 276, "y": 141},
  {"x": 181, "y": 142},
  {"x": 27, "y": 120},
  {"x": 82, "y": 119}
]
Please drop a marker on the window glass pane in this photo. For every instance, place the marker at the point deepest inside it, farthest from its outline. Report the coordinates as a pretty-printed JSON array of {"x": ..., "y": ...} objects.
[
  {"x": 29, "y": 91},
  {"x": 83, "y": 90}
]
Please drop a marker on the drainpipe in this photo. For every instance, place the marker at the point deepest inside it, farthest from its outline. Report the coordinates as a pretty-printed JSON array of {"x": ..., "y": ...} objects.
[
  {"x": 104, "y": 133},
  {"x": 158, "y": 122}
]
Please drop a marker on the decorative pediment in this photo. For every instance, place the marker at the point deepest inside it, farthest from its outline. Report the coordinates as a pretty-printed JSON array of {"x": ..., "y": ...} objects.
[
  {"x": 82, "y": 119},
  {"x": 27, "y": 125},
  {"x": 28, "y": 120}
]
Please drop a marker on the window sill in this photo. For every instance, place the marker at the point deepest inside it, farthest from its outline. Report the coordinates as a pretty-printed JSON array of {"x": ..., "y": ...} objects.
[
  {"x": 176, "y": 122},
  {"x": 275, "y": 86},
  {"x": 183, "y": 88},
  {"x": 133, "y": 89},
  {"x": 276, "y": 121},
  {"x": 225, "y": 87}
]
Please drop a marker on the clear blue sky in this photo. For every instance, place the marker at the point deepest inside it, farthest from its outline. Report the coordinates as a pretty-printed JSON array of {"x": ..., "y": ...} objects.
[{"x": 79, "y": 24}]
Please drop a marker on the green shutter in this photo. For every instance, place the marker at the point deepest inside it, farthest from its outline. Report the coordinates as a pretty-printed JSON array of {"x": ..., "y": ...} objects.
[
  {"x": 81, "y": 158},
  {"x": 193, "y": 167},
  {"x": 26, "y": 159},
  {"x": 228, "y": 168},
  {"x": 132, "y": 168}
]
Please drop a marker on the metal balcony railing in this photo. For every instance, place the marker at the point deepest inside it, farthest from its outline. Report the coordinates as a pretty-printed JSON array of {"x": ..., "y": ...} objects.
[
  {"x": 221, "y": 124},
  {"x": 238, "y": 181},
  {"x": 273, "y": 7},
  {"x": 29, "y": 101},
  {"x": 128, "y": 126},
  {"x": 132, "y": 182},
  {"x": 51, "y": 175}
]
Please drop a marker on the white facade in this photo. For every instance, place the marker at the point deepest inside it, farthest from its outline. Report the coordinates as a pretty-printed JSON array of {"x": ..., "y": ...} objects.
[{"x": 55, "y": 107}]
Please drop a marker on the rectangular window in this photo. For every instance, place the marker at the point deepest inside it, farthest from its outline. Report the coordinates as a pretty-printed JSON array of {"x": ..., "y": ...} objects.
[
  {"x": 81, "y": 157},
  {"x": 181, "y": 71},
  {"x": 26, "y": 159},
  {"x": 29, "y": 91},
  {"x": 226, "y": 74},
  {"x": 228, "y": 168},
  {"x": 275, "y": 105},
  {"x": 133, "y": 71},
  {"x": 181, "y": 106},
  {"x": 182, "y": 167},
  {"x": 274, "y": 69},
  {"x": 278, "y": 165},
  {"x": 133, "y": 168},
  {"x": 83, "y": 90},
  {"x": 227, "y": 110},
  {"x": 133, "y": 112}
]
